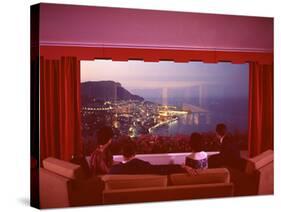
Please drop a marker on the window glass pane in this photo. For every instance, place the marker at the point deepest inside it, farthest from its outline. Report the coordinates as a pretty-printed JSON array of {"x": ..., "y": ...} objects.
[{"x": 165, "y": 100}]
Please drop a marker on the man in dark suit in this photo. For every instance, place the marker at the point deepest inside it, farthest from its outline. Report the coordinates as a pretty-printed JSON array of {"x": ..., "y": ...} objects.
[
  {"x": 229, "y": 150},
  {"x": 133, "y": 165}
]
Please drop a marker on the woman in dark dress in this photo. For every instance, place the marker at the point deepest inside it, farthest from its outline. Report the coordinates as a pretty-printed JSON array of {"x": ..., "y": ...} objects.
[{"x": 101, "y": 159}]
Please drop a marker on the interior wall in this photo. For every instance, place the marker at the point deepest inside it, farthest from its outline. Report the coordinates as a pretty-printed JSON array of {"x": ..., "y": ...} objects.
[{"x": 70, "y": 25}]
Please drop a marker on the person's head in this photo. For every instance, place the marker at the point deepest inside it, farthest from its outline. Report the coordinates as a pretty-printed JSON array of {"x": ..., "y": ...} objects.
[
  {"x": 129, "y": 149},
  {"x": 104, "y": 135},
  {"x": 221, "y": 129},
  {"x": 196, "y": 142}
]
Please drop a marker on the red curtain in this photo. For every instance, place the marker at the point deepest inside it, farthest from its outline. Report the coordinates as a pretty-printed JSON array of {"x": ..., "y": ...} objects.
[
  {"x": 260, "y": 108},
  {"x": 60, "y": 108}
]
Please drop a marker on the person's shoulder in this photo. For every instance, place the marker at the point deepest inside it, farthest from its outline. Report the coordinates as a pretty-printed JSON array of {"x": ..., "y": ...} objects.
[
  {"x": 229, "y": 136},
  {"x": 202, "y": 155}
]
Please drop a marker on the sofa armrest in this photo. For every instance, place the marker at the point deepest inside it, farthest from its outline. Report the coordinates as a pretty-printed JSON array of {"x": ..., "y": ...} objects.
[
  {"x": 259, "y": 161},
  {"x": 54, "y": 190}
]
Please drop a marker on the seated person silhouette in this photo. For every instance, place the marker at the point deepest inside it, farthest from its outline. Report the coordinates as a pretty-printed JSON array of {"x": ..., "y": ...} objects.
[
  {"x": 198, "y": 159},
  {"x": 229, "y": 153},
  {"x": 101, "y": 159},
  {"x": 133, "y": 165}
]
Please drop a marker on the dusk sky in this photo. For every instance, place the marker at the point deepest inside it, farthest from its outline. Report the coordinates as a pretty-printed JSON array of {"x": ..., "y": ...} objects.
[{"x": 135, "y": 75}]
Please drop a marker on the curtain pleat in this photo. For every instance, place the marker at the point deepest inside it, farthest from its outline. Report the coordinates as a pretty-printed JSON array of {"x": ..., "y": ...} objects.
[
  {"x": 260, "y": 108},
  {"x": 60, "y": 108}
]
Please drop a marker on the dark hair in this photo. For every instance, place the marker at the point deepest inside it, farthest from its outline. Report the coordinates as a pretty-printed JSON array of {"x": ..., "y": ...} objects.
[
  {"x": 104, "y": 134},
  {"x": 221, "y": 129},
  {"x": 196, "y": 142},
  {"x": 129, "y": 148}
]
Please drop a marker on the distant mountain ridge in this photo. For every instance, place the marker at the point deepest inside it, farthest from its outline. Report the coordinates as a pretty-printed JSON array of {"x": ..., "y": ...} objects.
[{"x": 106, "y": 90}]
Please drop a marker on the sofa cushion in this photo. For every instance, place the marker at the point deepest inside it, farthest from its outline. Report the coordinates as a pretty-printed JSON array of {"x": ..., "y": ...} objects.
[
  {"x": 133, "y": 181},
  {"x": 205, "y": 176},
  {"x": 63, "y": 168},
  {"x": 259, "y": 161}
]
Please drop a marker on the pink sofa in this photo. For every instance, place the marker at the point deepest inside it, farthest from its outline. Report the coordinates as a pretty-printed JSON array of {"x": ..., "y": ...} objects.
[{"x": 62, "y": 185}]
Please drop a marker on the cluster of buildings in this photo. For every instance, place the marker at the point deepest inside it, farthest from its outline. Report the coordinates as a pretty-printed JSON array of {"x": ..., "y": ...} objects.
[{"x": 130, "y": 117}]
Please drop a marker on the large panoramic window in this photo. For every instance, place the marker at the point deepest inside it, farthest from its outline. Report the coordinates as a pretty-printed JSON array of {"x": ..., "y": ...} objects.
[{"x": 160, "y": 104}]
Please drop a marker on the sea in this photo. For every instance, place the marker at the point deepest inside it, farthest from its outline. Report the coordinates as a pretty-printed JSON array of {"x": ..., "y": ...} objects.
[{"x": 232, "y": 111}]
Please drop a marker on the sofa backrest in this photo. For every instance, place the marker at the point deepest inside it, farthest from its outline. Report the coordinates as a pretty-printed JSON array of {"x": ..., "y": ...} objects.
[
  {"x": 145, "y": 188},
  {"x": 205, "y": 176},
  {"x": 133, "y": 181}
]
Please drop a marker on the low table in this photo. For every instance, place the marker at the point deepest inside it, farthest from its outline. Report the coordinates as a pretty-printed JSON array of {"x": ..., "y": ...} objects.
[{"x": 163, "y": 158}]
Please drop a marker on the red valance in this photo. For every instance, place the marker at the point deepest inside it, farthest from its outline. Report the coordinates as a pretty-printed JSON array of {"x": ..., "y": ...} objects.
[{"x": 155, "y": 55}]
